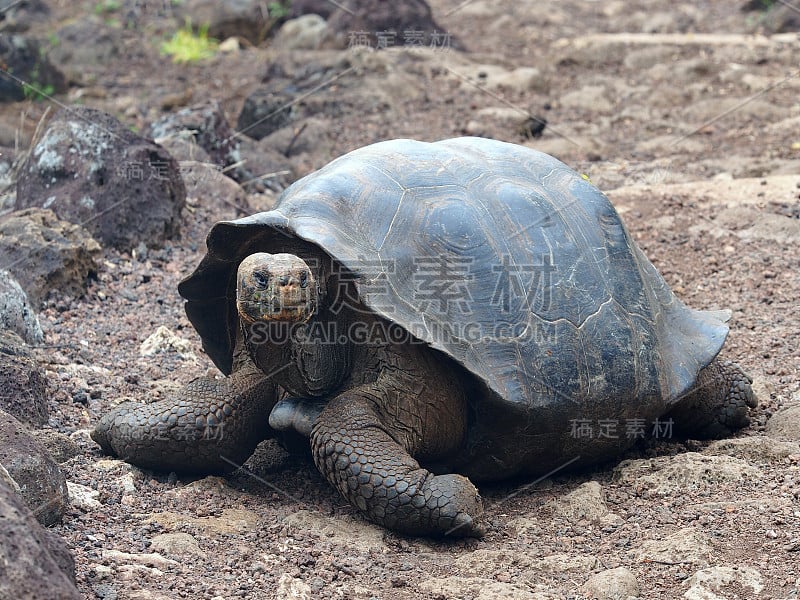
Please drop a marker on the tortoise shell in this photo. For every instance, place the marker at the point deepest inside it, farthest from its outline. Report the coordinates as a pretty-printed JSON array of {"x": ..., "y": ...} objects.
[{"x": 500, "y": 257}]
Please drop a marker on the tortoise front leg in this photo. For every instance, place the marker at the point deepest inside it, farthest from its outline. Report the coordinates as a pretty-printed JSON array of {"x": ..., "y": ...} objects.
[
  {"x": 356, "y": 448},
  {"x": 211, "y": 426}
]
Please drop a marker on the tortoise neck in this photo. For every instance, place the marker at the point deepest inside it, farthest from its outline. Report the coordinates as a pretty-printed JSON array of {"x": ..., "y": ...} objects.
[{"x": 307, "y": 359}]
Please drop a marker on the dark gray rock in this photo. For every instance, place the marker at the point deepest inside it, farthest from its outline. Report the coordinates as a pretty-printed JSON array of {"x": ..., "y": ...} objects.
[
  {"x": 205, "y": 125},
  {"x": 23, "y": 387},
  {"x": 781, "y": 18},
  {"x": 43, "y": 487},
  {"x": 264, "y": 111},
  {"x": 303, "y": 136},
  {"x": 209, "y": 188},
  {"x": 184, "y": 148},
  {"x": 248, "y": 19},
  {"x": 774, "y": 17},
  {"x": 44, "y": 253},
  {"x": 34, "y": 563},
  {"x": 16, "y": 313},
  {"x": 269, "y": 167},
  {"x": 60, "y": 447},
  {"x": 411, "y": 20},
  {"x": 28, "y": 62},
  {"x": 91, "y": 169},
  {"x": 85, "y": 46},
  {"x": 323, "y": 8},
  {"x": 365, "y": 83},
  {"x": 19, "y": 16},
  {"x": 59, "y": 550},
  {"x": 752, "y": 5}
]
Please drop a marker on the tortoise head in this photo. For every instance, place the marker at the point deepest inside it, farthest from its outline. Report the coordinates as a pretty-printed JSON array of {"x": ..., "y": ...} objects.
[{"x": 276, "y": 288}]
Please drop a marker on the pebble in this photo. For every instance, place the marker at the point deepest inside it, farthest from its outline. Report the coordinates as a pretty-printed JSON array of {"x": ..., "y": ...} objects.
[
  {"x": 102, "y": 571},
  {"x": 176, "y": 543},
  {"x": 165, "y": 340},
  {"x": 105, "y": 591},
  {"x": 127, "y": 483},
  {"x": 612, "y": 584},
  {"x": 83, "y": 497},
  {"x": 704, "y": 584},
  {"x": 586, "y": 502},
  {"x": 303, "y": 33},
  {"x": 672, "y": 475},
  {"x": 151, "y": 559},
  {"x": 230, "y": 45},
  {"x": 785, "y": 424},
  {"x": 292, "y": 588},
  {"x": 687, "y": 545}
]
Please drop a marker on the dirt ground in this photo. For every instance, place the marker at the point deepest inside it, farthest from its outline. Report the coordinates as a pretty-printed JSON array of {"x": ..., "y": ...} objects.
[{"x": 688, "y": 122}]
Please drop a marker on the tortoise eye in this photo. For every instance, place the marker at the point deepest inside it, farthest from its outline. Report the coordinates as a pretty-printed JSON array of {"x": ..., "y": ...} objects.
[
  {"x": 261, "y": 280},
  {"x": 303, "y": 279}
]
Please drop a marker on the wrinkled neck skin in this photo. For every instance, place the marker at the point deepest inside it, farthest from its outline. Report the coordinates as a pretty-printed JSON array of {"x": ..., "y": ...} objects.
[{"x": 301, "y": 357}]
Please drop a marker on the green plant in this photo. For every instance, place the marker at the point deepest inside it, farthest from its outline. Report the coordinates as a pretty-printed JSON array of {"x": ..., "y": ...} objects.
[
  {"x": 36, "y": 92},
  {"x": 186, "y": 46},
  {"x": 107, "y": 6},
  {"x": 278, "y": 10}
]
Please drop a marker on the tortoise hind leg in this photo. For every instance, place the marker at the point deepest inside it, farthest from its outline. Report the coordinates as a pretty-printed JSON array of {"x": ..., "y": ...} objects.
[
  {"x": 358, "y": 452},
  {"x": 718, "y": 405},
  {"x": 211, "y": 426}
]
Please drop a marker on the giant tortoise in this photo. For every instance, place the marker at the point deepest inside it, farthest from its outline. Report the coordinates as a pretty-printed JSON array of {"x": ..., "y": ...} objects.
[{"x": 426, "y": 314}]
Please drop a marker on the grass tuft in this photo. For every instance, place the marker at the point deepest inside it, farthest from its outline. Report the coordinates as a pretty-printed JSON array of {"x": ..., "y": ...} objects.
[{"x": 186, "y": 46}]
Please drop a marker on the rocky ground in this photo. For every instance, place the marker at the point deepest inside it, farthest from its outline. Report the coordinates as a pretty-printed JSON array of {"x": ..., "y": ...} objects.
[{"x": 687, "y": 115}]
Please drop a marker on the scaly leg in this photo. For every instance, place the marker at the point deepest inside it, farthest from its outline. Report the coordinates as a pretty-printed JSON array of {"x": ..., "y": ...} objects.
[
  {"x": 356, "y": 447},
  {"x": 719, "y": 404},
  {"x": 210, "y": 427}
]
